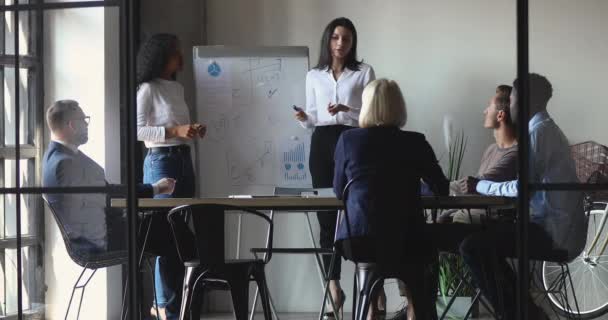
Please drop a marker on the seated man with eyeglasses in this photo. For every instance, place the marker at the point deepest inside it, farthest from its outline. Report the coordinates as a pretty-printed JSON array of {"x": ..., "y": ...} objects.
[{"x": 85, "y": 216}]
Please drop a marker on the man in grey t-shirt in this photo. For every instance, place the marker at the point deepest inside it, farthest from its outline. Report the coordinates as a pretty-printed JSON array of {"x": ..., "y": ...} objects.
[{"x": 499, "y": 161}]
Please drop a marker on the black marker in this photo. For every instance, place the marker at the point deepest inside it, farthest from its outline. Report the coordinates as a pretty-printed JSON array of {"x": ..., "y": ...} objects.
[{"x": 296, "y": 108}]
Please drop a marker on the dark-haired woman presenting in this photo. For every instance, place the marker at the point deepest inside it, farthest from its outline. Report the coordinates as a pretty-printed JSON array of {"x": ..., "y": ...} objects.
[
  {"x": 163, "y": 123},
  {"x": 333, "y": 103}
]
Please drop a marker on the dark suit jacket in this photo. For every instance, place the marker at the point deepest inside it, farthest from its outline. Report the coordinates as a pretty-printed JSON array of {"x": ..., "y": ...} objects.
[
  {"x": 83, "y": 215},
  {"x": 384, "y": 199}
]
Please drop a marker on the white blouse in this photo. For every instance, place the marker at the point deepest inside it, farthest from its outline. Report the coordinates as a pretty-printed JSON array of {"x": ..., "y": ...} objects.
[
  {"x": 160, "y": 104},
  {"x": 322, "y": 89}
]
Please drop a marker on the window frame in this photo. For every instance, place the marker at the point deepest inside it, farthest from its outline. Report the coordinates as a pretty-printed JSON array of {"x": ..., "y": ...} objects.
[
  {"x": 28, "y": 147},
  {"x": 33, "y": 148}
]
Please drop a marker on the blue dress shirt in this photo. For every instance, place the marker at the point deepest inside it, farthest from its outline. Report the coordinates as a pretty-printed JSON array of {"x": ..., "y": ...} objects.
[{"x": 560, "y": 213}]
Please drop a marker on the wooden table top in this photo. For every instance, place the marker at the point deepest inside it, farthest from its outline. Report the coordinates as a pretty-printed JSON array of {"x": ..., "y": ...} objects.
[{"x": 319, "y": 203}]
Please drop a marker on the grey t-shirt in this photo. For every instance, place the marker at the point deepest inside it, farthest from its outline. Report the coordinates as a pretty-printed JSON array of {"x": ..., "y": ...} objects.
[{"x": 497, "y": 164}]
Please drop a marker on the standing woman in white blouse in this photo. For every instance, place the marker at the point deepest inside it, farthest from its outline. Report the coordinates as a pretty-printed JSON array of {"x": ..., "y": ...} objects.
[
  {"x": 163, "y": 123},
  {"x": 333, "y": 103}
]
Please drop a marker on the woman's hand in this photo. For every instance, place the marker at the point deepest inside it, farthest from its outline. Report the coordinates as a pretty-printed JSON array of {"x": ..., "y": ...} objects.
[
  {"x": 333, "y": 109},
  {"x": 186, "y": 131},
  {"x": 165, "y": 185},
  {"x": 201, "y": 129},
  {"x": 301, "y": 115}
]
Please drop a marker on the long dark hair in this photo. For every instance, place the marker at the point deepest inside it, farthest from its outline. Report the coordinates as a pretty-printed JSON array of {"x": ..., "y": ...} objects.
[
  {"x": 154, "y": 55},
  {"x": 325, "y": 57}
]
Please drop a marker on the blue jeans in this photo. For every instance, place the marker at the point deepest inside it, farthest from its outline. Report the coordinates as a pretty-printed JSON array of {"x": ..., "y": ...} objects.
[{"x": 169, "y": 272}]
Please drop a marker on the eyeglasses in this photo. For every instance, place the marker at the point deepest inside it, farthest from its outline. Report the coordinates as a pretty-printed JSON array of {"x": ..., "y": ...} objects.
[{"x": 86, "y": 119}]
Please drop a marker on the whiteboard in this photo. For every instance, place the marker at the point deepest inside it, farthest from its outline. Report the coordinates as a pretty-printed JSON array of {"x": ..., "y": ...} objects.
[{"x": 245, "y": 97}]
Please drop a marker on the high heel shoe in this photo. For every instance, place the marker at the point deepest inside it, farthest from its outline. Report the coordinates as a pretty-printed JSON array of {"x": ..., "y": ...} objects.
[
  {"x": 328, "y": 315},
  {"x": 380, "y": 315}
]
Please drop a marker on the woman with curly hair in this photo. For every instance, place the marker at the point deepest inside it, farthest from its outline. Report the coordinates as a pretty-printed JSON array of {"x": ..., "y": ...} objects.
[{"x": 163, "y": 123}]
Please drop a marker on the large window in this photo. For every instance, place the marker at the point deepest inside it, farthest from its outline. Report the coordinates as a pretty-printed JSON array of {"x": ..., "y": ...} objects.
[
  {"x": 20, "y": 119},
  {"x": 26, "y": 292}
]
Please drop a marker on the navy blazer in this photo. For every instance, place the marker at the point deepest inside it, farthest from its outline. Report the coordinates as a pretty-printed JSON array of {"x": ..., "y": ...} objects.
[
  {"x": 386, "y": 165},
  {"x": 83, "y": 215}
]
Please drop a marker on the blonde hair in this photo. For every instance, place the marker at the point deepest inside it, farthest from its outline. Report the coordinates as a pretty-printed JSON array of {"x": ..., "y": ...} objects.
[{"x": 383, "y": 105}]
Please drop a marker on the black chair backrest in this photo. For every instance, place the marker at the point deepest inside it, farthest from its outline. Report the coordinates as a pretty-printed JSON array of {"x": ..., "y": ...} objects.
[
  {"x": 205, "y": 222},
  {"x": 369, "y": 182},
  {"x": 389, "y": 208},
  {"x": 394, "y": 216},
  {"x": 77, "y": 257}
]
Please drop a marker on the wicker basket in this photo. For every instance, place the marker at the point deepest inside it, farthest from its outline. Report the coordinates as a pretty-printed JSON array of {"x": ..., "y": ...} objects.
[{"x": 591, "y": 160}]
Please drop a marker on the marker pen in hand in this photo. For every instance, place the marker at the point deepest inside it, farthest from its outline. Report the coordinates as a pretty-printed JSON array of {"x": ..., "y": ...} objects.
[{"x": 296, "y": 108}]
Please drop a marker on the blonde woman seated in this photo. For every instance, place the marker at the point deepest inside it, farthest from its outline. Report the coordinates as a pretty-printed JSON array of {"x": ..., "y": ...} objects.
[{"x": 385, "y": 222}]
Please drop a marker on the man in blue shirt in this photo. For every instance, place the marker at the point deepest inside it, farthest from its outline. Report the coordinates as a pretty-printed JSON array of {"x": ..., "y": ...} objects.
[{"x": 557, "y": 218}]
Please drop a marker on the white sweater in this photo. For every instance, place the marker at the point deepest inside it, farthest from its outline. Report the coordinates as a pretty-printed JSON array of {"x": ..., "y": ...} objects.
[{"x": 160, "y": 105}]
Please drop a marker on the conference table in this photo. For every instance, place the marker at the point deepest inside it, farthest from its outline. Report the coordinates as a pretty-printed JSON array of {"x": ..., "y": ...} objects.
[
  {"x": 313, "y": 203},
  {"x": 318, "y": 203}
]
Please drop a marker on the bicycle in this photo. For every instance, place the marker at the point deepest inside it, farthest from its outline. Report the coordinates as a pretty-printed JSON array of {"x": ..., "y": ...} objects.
[{"x": 589, "y": 271}]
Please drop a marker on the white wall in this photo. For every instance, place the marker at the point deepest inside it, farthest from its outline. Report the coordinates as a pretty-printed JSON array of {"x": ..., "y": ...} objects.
[
  {"x": 567, "y": 43},
  {"x": 74, "y": 49},
  {"x": 448, "y": 57}
]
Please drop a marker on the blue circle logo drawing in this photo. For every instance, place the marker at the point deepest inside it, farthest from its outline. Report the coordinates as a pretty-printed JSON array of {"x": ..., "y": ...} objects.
[{"x": 214, "y": 69}]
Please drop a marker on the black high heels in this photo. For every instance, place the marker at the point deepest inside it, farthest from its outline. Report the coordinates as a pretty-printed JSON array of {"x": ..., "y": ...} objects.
[{"x": 329, "y": 315}]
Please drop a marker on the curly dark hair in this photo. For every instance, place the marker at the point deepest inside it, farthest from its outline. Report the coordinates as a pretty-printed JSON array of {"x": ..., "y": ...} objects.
[
  {"x": 325, "y": 57},
  {"x": 540, "y": 91},
  {"x": 154, "y": 55}
]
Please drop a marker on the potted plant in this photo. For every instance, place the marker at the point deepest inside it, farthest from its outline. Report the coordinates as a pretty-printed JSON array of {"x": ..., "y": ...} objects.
[{"x": 451, "y": 267}]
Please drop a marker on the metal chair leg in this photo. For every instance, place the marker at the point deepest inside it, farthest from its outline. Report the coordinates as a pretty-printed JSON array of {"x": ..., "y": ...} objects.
[
  {"x": 255, "y": 300},
  {"x": 82, "y": 287},
  {"x": 124, "y": 312},
  {"x": 260, "y": 279},
  {"x": 67, "y": 312},
  {"x": 367, "y": 282},
  {"x": 187, "y": 289}
]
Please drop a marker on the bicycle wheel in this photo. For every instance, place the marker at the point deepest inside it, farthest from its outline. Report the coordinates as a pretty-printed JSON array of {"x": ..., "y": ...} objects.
[{"x": 589, "y": 273}]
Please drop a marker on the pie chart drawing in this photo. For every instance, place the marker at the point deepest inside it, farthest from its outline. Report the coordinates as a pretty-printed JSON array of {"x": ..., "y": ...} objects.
[{"x": 214, "y": 69}]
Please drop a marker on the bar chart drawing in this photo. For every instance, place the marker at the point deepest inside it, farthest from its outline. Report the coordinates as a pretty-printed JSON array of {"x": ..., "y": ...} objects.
[{"x": 294, "y": 168}]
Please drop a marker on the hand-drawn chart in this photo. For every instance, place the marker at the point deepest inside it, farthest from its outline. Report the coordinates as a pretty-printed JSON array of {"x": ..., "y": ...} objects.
[
  {"x": 294, "y": 162},
  {"x": 251, "y": 163},
  {"x": 215, "y": 86},
  {"x": 244, "y": 96},
  {"x": 221, "y": 125}
]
